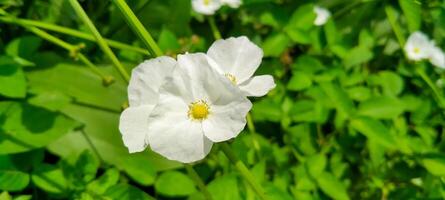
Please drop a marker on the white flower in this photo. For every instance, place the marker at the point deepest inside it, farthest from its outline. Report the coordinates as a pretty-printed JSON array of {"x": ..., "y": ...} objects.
[
  {"x": 418, "y": 46},
  {"x": 238, "y": 59},
  {"x": 197, "y": 107},
  {"x": 232, "y": 3},
  {"x": 437, "y": 57},
  {"x": 146, "y": 79},
  {"x": 206, "y": 7},
  {"x": 323, "y": 15}
]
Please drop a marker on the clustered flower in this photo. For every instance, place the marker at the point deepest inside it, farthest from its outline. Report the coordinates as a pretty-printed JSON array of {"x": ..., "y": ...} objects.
[
  {"x": 420, "y": 47},
  {"x": 179, "y": 108},
  {"x": 209, "y": 7}
]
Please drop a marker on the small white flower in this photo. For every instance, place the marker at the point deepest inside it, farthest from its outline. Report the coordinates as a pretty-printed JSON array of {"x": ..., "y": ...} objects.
[
  {"x": 232, "y": 3},
  {"x": 323, "y": 15},
  {"x": 418, "y": 46},
  {"x": 206, "y": 7},
  {"x": 146, "y": 79},
  {"x": 437, "y": 57},
  {"x": 238, "y": 59},
  {"x": 197, "y": 107}
]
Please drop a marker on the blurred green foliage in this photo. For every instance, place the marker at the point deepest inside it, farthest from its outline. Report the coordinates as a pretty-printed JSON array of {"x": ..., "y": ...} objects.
[{"x": 350, "y": 117}]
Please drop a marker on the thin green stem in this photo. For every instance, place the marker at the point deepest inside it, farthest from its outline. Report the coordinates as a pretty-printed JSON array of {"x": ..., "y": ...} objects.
[
  {"x": 138, "y": 28},
  {"x": 195, "y": 176},
  {"x": 392, "y": 18},
  {"x": 71, "y": 32},
  {"x": 73, "y": 50},
  {"x": 99, "y": 39},
  {"x": 215, "y": 31},
  {"x": 429, "y": 82},
  {"x": 252, "y": 131},
  {"x": 243, "y": 170}
]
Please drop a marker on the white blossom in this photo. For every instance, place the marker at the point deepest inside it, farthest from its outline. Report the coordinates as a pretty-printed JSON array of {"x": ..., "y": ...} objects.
[
  {"x": 238, "y": 59},
  {"x": 437, "y": 57},
  {"x": 322, "y": 15},
  {"x": 206, "y": 7},
  {"x": 418, "y": 46},
  {"x": 232, "y": 3}
]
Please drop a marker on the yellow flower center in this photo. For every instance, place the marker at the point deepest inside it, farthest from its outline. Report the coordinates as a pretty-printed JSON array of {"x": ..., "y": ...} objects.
[
  {"x": 207, "y": 2},
  {"x": 231, "y": 77},
  {"x": 416, "y": 50},
  {"x": 199, "y": 110}
]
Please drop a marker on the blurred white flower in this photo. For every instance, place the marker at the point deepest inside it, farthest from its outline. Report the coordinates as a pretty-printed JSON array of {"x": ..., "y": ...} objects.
[
  {"x": 197, "y": 107},
  {"x": 238, "y": 59},
  {"x": 146, "y": 79},
  {"x": 323, "y": 15},
  {"x": 437, "y": 57},
  {"x": 206, "y": 7},
  {"x": 418, "y": 46},
  {"x": 232, "y": 3}
]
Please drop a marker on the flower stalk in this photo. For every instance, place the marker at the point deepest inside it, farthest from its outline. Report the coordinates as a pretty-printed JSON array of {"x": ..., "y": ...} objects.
[
  {"x": 243, "y": 170},
  {"x": 215, "y": 31},
  {"x": 138, "y": 28},
  {"x": 201, "y": 185},
  {"x": 99, "y": 39}
]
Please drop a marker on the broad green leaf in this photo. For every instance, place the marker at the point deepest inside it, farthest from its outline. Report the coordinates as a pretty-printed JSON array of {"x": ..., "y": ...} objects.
[
  {"x": 316, "y": 164},
  {"x": 275, "y": 45},
  {"x": 299, "y": 81},
  {"x": 339, "y": 98},
  {"x": 413, "y": 14},
  {"x": 357, "y": 56},
  {"x": 5, "y": 196},
  {"x": 308, "y": 64},
  {"x": 374, "y": 130},
  {"x": 391, "y": 83},
  {"x": 224, "y": 188},
  {"x": 12, "y": 79},
  {"x": 26, "y": 127},
  {"x": 174, "y": 184},
  {"x": 298, "y": 36},
  {"x": 332, "y": 187},
  {"x": 274, "y": 193},
  {"x": 359, "y": 93},
  {"x": 126, "y": 192},
  {"x": 13, "y": 180},
  {"x": 51, "y": 100},
  {"x": 167, "y": 41},
  {"x": 107, "y": 180},
  {"x": 435, "y": 164},
  {"x": 87, "y": 165},
  {"x": 23, "y": 47},
  {"x": 303, "y": 18},
  {"x": 50, "y": 178},
  {"x": 267, "y": 109},
  {"x": 382, "y": 107}
]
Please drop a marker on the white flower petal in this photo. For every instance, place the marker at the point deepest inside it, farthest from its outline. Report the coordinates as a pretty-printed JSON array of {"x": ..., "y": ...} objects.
[
  {"x": 173, "y": 135},
  {"x": 146, "y": 79},
  {"x": 418, "y": 46},
  {"x": 232, "y": 3},
  {"x": 437, "y": 57},
  {"x": 323, "y": 15},
  {"x": 236, "y": 56},
  {"x": 206, "y": 7},
  {"x": 226, "y": 120},
  {"x": 257, "y": 86},
  {"x": 133, "y": 126}
]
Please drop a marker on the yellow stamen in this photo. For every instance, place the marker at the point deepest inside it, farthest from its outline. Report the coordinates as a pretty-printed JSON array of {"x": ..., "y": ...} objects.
[
  {"x": 207, "y": 2},
  {"x": 416, "y": 50},
  {"x": 199, "y": 110},
  {"x": 231, "y": 77}
]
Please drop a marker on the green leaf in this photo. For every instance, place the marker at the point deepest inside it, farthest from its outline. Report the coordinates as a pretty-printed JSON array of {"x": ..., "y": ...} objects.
[
  {"x": 299, "y": 81},
  {"x": 104, "y": 182},
  {"x": 5, "y": 196},
  {"x": 339, "y": 98},
  {"x": 359, "y": 93},
  {"x": 357, "y": 55},
  {"x": 126, "y": 192},
  {"x": 267, "y": 109},
  {"x": 391, "y": 83},
  {"x": 374, "y": 130},
  {"x": 23, "y": 47},
  {"x": 49, "y": 178},
  {"x": 174, "y": 184},
  {"x": 332, "y": 187},
  {"x": 308, "y": 64},
  {"x": 316, "y": 164},
  {"x": 51, "y": 100},
  {"x": 382, "y": 107},
  {"x": 26, "y": 127},
  {"x": 303, "y": 18},
  {"x": 224, "y": 188},
  {"x": 275, "y": 45},
  {"x": 435, "y": 164},
  {"x": 12, "y": 79},
  {"x": 167, "y": 41},
  {"x": 87, "y": 165},
  {"x": 12, "y": 180},
  {"x": 413, "y": 14},
  {"x": 298, "y": 36}
]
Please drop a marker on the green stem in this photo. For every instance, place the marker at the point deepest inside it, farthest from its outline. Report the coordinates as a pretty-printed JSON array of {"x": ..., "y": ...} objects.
[
  {"x": 429, "y": 82},
  {"x": 138, "y": 28},
  {"x": 100, "y": 40},
  {"x": 195, "y": 176},
  {"x": 252, "y": 131},
  {"x": 215, "y": 31},
  {"x": 73, "y": 50},
  {"x": 243, "y": 170},
  {"x": 71, "y": 32}
]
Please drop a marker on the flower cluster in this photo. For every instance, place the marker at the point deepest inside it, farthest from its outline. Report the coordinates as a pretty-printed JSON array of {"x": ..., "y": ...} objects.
[
  {"x": 209, "y": 7},
  {"x": 181, "y": 107},
  {"x": 420, "y": 47}
]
